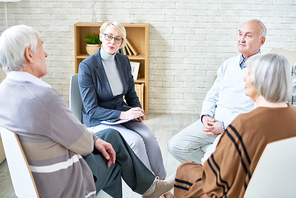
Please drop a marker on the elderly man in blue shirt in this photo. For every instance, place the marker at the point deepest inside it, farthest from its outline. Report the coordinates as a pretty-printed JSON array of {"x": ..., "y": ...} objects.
[{"x": 223, "y": 102}]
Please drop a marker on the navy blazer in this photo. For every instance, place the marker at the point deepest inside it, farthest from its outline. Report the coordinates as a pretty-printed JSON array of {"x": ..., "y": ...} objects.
[{"x": 98, "y": 101}]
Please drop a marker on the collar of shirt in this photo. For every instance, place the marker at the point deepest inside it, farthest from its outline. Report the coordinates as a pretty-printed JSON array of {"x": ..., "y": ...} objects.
[
  {"x": 106, "y": 56},
  {"x": 25, "y": 76},
  {"x": 242, "y": 61}
]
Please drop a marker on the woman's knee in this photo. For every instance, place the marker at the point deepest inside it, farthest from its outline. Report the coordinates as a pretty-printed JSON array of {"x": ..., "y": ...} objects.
[
  {"x": 136, "y": 142},
  {"x": 138, "y": 146},
  {"x": 148, "y": 136}
]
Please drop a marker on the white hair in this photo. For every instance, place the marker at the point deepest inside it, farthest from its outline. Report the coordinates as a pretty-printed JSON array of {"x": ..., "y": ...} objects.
[
  {"x": 271, "y": 75},
  {"x": 263, "y": 32},
  {"x": 13, "y": 43}
]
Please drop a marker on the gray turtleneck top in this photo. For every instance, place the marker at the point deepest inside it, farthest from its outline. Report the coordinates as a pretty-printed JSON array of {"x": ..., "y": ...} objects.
[{"x": 112, "y": 73}]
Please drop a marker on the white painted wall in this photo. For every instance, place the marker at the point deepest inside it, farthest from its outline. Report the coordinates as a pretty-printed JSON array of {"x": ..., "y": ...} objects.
[{"x": 189, "y": 39}]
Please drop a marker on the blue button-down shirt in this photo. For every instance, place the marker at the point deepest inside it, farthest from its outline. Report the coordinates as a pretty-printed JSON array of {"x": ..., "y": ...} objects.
[{"x": 242, "y": 61}]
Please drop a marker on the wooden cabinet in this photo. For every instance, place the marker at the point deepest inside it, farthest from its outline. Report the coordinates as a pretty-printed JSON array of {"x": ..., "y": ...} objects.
[{"x": 137, "y": 34}]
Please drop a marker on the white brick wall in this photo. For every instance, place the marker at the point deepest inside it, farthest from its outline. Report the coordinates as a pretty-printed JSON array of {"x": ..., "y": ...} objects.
[{"x": 189, "y": 39}]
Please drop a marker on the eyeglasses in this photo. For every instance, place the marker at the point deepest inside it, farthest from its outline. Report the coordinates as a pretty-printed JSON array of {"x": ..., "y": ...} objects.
[{"x": 109, "y": 37}]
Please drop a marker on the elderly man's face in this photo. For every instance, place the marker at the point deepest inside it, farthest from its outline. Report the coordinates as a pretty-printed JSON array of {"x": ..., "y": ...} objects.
[
  {"x": 40, "y": 69},
  {"x": 249, "y": 41}
]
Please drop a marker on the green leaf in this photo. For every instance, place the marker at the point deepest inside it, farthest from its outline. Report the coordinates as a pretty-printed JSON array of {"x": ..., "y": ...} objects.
[{"x": 92, "y": 39}]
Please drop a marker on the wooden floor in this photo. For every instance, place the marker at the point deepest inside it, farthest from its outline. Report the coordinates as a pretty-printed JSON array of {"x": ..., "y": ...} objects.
[{"x": 163, "y": 125}]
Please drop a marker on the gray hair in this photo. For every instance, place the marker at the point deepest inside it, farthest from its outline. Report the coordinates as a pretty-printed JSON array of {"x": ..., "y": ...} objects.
[
  {"x": 271, "y": 75},
  {"x": 118, "y": 26},
  {"x": 13, "y": 43},
  {"x": 263, "y": 32}
]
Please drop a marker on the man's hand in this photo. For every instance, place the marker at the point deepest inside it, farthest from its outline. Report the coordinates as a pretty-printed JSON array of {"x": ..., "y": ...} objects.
[
  {"x": 211, "y": 127},
  {"x": 107, "y": 151}
]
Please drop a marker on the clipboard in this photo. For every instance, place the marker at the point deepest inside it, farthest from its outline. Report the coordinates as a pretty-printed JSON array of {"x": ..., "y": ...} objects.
[{"x": 120, "y": 121}]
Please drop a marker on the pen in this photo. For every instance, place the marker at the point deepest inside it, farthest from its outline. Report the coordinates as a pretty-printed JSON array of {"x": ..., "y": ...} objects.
[{"x": 127, "y": 106}]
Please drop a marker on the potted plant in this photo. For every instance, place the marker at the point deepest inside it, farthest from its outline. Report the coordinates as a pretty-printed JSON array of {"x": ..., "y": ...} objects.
[{"x": 93, "y": 43}]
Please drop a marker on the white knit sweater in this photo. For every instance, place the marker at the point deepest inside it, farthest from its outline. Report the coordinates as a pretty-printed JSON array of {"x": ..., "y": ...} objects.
[{"x": 226, "y": 99}]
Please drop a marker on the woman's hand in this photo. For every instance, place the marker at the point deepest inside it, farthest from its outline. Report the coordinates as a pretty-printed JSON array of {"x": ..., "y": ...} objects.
[
  {"x": 140, "y": 119},
  {"x": 132, "y": 113}
]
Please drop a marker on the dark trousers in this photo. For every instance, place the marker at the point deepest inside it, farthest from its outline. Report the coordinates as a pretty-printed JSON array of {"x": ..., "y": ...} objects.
[{"x": 127, "y": 165}]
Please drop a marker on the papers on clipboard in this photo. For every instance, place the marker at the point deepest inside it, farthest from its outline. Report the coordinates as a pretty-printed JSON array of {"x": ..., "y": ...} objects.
[{"x": 120, "y": 121}]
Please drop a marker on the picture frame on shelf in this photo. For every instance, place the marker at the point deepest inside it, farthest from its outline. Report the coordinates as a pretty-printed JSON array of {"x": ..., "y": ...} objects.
[{"x": 135, "y": 69}]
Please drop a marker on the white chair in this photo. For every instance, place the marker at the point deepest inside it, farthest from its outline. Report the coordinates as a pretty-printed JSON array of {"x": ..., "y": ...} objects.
[
  {"x": 75, "y": 104},
  {"x": 275, "y": 173},
  {"x": 20, "y": 173},
  {"x": 75, "y": 101}
]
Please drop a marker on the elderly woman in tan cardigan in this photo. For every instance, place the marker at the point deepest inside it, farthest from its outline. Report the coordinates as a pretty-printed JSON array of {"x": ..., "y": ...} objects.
[{"x": 229, "y": 169}]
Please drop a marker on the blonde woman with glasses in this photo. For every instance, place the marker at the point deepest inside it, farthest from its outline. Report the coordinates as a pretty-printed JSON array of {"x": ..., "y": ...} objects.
[{"x": 104, "y": 80}]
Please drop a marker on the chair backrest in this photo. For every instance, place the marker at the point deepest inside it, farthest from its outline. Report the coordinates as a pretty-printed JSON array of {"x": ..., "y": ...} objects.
[
  {"x": 275, "y": 173},
  {"x": 75, "y": 101},
  {"x": 20, "y": 173}
]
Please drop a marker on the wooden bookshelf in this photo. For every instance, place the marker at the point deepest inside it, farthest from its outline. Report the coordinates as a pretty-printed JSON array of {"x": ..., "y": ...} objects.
[
  {"x": 139, "y": 88},
  {"x": 137, "y": 34}
]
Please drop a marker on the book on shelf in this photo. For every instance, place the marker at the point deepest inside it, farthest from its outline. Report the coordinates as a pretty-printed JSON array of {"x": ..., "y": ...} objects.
[
  {"x": 129, "y": 52},
  {"x": 124, "y": 51},
  {"x": 132, "y": 48},
  {"x": 139, "y": 88},
  {"x": 120, "y": 51}
]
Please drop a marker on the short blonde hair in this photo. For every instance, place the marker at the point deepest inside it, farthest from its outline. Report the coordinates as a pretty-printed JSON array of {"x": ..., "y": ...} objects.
[
  {"x": 271, "y": 75},
  {"x": 118, "y": 26}
]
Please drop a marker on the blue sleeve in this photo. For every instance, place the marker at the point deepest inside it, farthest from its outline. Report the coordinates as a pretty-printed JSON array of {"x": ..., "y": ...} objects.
[{"x": 89, "y": 96}]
